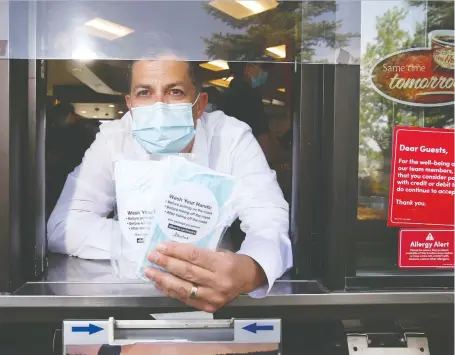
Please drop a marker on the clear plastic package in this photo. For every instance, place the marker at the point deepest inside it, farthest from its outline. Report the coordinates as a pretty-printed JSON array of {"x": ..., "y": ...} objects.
[{"x": 170, "y": 198}]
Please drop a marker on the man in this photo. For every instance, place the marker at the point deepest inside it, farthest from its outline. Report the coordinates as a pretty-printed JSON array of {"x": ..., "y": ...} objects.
[
  {"x": 243, "y": 101},
  {"x": 203, "y": 279},
  {"x": 67, "y": 140}
]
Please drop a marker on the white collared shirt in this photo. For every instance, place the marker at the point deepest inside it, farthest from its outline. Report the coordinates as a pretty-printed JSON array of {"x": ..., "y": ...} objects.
[{"x": 79, "y": 226}]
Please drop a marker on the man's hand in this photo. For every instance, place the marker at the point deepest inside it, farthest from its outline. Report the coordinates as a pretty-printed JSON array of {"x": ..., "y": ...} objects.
[{"x": 219, "y": 276}]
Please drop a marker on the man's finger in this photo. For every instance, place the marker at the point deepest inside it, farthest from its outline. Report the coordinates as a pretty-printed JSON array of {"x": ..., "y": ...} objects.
[
  {"x": 200, "y": 305},
  {"x": 181, "y": 289},
  {"x": 188, "y": 252},
  {"x": 183, "y": 269}
]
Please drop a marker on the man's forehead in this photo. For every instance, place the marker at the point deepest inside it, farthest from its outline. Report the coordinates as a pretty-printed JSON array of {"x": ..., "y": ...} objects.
[{"x": 161, "y": 69}]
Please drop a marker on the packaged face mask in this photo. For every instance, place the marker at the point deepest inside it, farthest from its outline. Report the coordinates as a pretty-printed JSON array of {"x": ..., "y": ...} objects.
[
  {"x": 195, "y": 206},
  {"x": 137, "y": 185},
  {"x": 137, "y": 188}
]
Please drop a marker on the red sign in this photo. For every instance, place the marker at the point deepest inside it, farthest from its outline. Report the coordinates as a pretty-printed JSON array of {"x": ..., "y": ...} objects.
[
  {"x": 426, "y": 248},
  {"x": 419, "y": 76},
  {"x": 422, "y": 185}
]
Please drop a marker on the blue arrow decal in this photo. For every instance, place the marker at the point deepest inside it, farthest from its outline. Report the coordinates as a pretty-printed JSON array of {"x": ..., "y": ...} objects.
[
  {"x": 254, "y": 327},
  {"x": 91, "y": 329}
]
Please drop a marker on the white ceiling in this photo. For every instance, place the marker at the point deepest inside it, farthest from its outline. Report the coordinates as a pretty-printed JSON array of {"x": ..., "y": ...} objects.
[{"x": 100, "y": 111}]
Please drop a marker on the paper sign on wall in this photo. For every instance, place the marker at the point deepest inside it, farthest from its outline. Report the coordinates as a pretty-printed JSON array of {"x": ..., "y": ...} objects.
[
  {"x": 422, "y": 185},
  {"x": 425, "y": 248}
]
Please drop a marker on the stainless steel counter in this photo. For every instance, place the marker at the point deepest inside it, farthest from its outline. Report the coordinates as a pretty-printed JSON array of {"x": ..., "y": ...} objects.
[{"x": 72, "y": 287}]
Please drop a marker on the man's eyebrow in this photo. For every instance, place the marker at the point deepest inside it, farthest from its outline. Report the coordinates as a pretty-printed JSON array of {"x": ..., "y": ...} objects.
[
  {"x": 142, "y": 86},
  {"x": 148, "y": 86},
  {"x": 174, "y": 84}
]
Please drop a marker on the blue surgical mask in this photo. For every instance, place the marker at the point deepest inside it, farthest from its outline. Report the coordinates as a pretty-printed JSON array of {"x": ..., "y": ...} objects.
[
  {"x": 260, "y": 79},
  {"x": 163, "y": 128}
]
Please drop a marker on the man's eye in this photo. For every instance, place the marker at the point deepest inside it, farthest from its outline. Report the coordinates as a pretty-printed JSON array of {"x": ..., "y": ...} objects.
[
  {"x": 142, "y": 93},
  {"x": 176, "y": 92}
]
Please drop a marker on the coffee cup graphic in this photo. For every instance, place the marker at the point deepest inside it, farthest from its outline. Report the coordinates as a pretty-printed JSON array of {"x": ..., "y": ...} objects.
[{"x": 442, "y": 46}]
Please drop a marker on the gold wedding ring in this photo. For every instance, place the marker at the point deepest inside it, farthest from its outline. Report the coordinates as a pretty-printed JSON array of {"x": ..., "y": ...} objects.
[{"x": 193, "y": 292}]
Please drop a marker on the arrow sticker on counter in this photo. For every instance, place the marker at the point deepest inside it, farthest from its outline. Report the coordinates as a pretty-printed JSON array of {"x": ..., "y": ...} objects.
[
  {"x": 254, "y": 327},
  {"x": 91, "y": 329}
]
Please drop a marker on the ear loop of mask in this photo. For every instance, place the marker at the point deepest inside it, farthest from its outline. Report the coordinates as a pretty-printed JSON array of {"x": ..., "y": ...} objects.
[
  {"x": 194, "y": 103},
  {"x": 197, "y": 98},
  {"x": 254, "y": 65}
]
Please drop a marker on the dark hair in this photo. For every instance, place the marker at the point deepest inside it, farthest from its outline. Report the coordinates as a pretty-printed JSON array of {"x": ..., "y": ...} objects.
[
  {"x": 63, "y": 109},
  {"x": 193, "y": 72},
  {"x": 237, "y": 68}
]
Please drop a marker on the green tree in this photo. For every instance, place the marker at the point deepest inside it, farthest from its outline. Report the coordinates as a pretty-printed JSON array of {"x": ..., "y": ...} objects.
[
  {"x": 439, "y": 16},
  {"x": 378, "y": 115},
  {"x": 301, "y": 26}
]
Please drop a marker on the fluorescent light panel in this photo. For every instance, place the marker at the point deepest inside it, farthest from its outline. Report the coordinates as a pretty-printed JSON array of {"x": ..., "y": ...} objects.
[
  {"x": 273, "y": 102},
  {"x": 243, "y": 9},
  {"x": 224, "y": 82},
  {"x": 215, "y": 65},
  {"x": 253, "y": 6},
  {"x": 278, "y": 52},
  {"x": 106, "y": 29}
]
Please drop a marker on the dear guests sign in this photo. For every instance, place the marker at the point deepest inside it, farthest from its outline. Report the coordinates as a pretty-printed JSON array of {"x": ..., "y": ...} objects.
[{"x": 419, "y": 76}]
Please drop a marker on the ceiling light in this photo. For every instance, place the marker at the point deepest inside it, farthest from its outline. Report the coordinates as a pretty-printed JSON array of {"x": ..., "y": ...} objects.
[
  {"x": 83, "y": 111},
  {"x": 281, "y": 90},
  {"x": 215, "y": 65},
  {"x": 111, "y": 105},
  {"x": 106, "y": 29},
  {"x": 95, "y": 116},
  {"x": 278, "y": 102},
  {"x": 243, "y": 9},
  {"x": 277, "y": 51},
  {"x": 83, "y": 53},
  {"x": 120, "y": 112},
  {"x": 253, "y": 6},
  {"x": 224, "y": 82}
]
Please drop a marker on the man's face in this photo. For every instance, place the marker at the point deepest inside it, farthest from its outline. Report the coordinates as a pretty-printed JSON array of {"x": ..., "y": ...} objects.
[
  {"x": 253, "y": 69},
  {"x": 165, "y": 81}
]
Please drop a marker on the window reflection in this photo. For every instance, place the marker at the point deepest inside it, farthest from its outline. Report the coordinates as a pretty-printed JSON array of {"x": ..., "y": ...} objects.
[
  {"x": 388, "y": 28},
  {"x": 82, "y": 94},
  {"x": 261, "y": 30}
]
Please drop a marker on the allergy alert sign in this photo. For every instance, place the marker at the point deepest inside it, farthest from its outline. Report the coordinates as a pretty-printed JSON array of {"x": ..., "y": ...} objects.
[
  {"x": 422, "y": 185},
  {"x": 420, "y": 248}
]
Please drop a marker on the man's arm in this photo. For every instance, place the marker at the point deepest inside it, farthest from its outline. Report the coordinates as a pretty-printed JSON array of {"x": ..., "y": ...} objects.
[
  {"x": 263, "y": 211},
  {"x": 78, "y": 225}
]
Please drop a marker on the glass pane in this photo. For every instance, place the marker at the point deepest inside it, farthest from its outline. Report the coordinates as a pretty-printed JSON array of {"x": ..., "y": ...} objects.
[
  {"x": 213, "y": 31},
  {"x": 330, "y": 32},
  {"x": 199, "y": 30},
  {"x": 88, "y": 48},
  {"x": 387, "y": 28},
  {"x": 93, "y": 71}
]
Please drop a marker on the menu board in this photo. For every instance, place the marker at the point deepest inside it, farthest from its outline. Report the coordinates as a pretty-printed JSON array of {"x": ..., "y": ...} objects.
[{"x": 422, "y": 184}]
